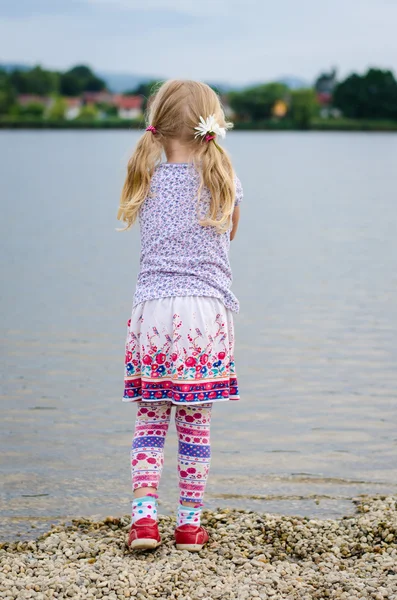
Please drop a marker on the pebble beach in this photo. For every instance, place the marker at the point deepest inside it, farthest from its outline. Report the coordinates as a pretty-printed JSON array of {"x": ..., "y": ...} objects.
[{"x": 250, "y": 555}]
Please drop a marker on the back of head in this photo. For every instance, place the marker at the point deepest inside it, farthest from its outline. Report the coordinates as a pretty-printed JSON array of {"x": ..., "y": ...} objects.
[{"x": 174, "y": 113}]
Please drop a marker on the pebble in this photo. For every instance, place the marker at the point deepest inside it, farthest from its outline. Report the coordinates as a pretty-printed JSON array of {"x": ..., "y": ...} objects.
[{"x": 250, "y": 556}]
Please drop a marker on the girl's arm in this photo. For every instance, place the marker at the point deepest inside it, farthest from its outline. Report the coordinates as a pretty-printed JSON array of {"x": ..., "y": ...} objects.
[{"x": 235, "y": 220}]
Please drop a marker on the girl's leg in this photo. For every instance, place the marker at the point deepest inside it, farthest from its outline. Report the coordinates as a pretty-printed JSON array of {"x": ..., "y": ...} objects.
[
  {"x": 194, "y": 455},
  {"x": 147, "y": 455}
]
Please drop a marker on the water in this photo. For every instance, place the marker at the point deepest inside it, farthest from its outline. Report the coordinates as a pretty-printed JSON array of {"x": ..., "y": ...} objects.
[{"x": 315, "y": 271}]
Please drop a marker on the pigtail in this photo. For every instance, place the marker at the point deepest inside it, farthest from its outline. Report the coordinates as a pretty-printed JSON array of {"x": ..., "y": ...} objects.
[
  {"x": 218, "y": 176},
  {"x": 140, "y": 170}
]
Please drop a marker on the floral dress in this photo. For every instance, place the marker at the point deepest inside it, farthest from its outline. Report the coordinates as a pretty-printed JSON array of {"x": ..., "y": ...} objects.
[{"x": 180, "y": 337}]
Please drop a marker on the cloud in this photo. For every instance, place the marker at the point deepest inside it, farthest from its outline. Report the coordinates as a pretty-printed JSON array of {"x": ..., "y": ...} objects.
[
  {"x": 224, "y": 40},
  {"x": 33, "y": 8},
  {"x": 190, "y": 7}
]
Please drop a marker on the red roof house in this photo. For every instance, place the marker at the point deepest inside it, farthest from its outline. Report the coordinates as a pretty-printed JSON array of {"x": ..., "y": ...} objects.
[
  {"x": 26, "y": 99},
  {"x": 97, "y": 97},
  {"x": 324, "y": 98},
  {"x": 129, "y": 107}
]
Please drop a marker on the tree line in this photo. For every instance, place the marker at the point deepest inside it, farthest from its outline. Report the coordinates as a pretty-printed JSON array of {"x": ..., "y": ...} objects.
[
  {"x": 42, "y": 82},
  {"x": 372, "y": 95}
]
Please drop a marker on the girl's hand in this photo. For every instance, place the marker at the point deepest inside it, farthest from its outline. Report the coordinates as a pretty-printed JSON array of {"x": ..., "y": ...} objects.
[{"x": 235, "y": 220}]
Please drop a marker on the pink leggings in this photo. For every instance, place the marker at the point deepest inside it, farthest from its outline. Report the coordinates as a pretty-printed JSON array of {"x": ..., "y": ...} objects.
[{"x": 194, "y": 450}]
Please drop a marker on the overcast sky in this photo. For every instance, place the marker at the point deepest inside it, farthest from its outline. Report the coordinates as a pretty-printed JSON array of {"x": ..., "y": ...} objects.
[{"x": 234, "y": 41}]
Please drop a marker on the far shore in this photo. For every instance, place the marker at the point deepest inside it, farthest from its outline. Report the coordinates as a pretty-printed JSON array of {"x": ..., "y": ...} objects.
[{"x": 9, "y": 123}]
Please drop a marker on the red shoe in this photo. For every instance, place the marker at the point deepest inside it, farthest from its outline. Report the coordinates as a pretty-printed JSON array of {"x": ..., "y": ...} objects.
[
  {"x": 190, "y": 537},
  {"x": 144, "y": 535}
]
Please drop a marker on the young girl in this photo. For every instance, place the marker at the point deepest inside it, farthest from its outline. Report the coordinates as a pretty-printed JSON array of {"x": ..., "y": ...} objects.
[{"x": 180, "y": 340}]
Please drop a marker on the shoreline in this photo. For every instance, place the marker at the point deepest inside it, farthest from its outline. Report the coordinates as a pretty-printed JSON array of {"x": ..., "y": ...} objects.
[
  {"x": 337, "y": 125},
  {"x": 250, "y": 555}
]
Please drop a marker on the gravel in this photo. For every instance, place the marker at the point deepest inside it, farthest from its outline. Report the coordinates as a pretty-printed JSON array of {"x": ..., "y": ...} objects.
[{"x": 250, "y": 556}]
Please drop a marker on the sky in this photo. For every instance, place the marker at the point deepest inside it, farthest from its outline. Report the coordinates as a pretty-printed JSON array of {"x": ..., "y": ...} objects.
[{"x": 231, "y": 41}]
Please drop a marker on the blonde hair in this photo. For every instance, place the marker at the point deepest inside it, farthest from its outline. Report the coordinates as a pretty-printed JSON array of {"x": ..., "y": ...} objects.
[{"x": 174, "y": 111}]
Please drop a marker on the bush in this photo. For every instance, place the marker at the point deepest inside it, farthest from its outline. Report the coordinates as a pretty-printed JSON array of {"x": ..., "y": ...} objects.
[
  {"x": 88, "y": 113},
  {"x": 58, "y": 109},
  {"x": 303, "y": 106}
]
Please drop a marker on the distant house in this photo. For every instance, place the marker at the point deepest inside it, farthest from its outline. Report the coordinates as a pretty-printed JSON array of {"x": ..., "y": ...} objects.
[
  {"x": 27, "y": 99},
  {"x": 324, "y": 86},
  {"x": 73, "y": 108},
  {"x": 129, "y": 107},
  {"x": 103, "y": 97},
  {"x": 324, "y": 98},
  {"x": 279, "y": 109},
  {"x": 326, "y": 82}
]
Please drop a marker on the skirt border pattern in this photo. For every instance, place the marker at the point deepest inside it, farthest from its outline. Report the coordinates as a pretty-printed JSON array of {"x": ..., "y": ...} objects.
[{"x": 180, "y": 392}]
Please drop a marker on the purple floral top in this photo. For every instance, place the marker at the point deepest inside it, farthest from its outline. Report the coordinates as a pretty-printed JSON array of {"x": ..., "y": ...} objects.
[{"x": 180, "y": 257}]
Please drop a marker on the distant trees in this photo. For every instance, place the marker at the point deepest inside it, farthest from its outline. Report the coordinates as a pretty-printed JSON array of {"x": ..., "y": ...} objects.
[
  {"x": 303, "y": 107},
  {"x": 58, "y": 109},
  {"x": 256, "y": 103},
  {"x": 78, "y": 80},
  {"x": 33, "y": 109},
  {"x": 41, "y": 82},
  {"x": 88, "y": 113},
  {"x": 36, "y": 81},
  {"x": 110, "y": 110},
  {"x": 7, "y": 93},
  {"x": 369, "y": 96}
]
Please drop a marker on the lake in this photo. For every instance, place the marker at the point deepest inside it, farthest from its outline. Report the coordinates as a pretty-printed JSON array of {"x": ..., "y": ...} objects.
[{"x": 315, "y": 270}]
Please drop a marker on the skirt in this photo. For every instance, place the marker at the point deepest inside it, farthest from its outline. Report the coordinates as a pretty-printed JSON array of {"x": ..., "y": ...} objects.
[{"x": 180, "y": 349}]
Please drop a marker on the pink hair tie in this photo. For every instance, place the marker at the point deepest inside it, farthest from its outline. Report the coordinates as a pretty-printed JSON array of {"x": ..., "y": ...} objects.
[
  {"x": 209, "y": 137},
  {"x": 152, "y": 129}
]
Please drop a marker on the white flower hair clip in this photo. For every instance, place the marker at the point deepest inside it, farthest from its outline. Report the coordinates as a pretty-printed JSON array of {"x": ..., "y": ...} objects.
[{"x": 209, "y": 128}]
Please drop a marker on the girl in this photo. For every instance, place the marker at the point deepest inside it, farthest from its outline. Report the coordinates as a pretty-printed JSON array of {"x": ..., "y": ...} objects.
[{"x": 180, "y": 341}]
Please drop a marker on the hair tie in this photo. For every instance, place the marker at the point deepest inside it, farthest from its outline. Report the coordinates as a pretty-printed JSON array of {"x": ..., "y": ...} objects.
[
  {"x": 209, "y": 137},
  {"x": 152, "y": 129}
]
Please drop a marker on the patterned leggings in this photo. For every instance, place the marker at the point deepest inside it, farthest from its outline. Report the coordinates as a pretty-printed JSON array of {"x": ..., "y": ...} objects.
[{"x": 194, "y": 451}]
